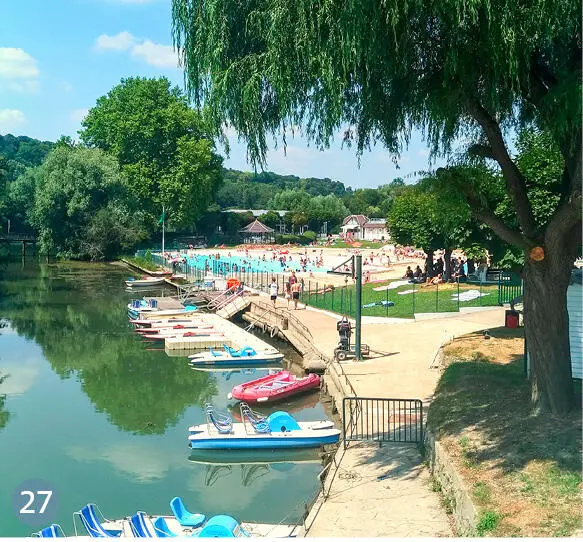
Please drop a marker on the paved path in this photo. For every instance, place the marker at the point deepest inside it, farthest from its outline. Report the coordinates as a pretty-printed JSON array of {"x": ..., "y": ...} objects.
[{"x": 402, "y": 504}]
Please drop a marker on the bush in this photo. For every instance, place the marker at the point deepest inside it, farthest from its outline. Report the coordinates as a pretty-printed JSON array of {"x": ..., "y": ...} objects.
[{"x": 309, "y": 235}]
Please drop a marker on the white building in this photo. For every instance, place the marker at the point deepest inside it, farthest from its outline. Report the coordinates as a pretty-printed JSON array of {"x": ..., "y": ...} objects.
[{"x": 362, "y": 228}]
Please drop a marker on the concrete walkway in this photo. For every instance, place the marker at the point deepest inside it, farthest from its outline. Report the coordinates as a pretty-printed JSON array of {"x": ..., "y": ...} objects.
[{"x": 402, "y": 503}]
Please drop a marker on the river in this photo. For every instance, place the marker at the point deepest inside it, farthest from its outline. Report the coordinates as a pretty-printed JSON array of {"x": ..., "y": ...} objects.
[{"x": 88, "y": 408}]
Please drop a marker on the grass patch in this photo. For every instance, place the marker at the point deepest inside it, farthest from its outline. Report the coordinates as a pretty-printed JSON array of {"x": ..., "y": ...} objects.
[
  {"x": 418, "y": 299},
  {"x": 524, "y": 470},
  {"x": 488, "y": 522},
  {"x": 144, "y": 263}
]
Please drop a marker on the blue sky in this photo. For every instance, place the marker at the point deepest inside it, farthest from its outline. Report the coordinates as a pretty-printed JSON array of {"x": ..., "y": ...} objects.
[{"x": 58, "y": 56}]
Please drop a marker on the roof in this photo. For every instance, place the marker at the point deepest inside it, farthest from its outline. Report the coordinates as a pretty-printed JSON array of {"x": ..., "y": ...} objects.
[
  {"x": 376, "y": 223},
  {"x": 256, "y": 227},
  {"x": 360, "y": 219}
]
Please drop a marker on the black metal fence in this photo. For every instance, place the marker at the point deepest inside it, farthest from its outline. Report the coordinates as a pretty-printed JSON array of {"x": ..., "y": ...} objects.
[{"x": 382, "y": 419}]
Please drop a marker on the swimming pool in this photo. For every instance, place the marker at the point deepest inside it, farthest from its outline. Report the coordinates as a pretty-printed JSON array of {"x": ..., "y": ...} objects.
[{"x": 250, "y": 264}]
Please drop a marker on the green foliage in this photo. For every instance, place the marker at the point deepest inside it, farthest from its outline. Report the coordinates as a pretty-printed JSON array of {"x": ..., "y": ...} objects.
[
  {"x": 246, "y": 190},
  {"x": 80, "y": 208},
  {"x": 309, "y": 235},
  {"x": 380, "y": 67},
  {"x": 488, "y": 521},
  {"x": 162, "y": 146}
]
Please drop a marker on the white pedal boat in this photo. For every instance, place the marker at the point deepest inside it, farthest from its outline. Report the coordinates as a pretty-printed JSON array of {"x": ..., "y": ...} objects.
[
  {"x": 231, "y": 356},
  {"x": 276, "y": 431}
]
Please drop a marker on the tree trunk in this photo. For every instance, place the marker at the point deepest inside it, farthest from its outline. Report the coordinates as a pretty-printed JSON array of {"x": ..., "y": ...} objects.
[
  {"x": 429, "y": 262},
  {"x": 447, "y": 265},
  {"x": 547, "y": 332}
]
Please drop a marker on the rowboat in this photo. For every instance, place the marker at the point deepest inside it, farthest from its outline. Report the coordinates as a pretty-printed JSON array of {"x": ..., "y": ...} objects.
[
  {"x": 171, "y": 320},
  {"x": 274, "y": 387},
  {"x": 279, "y": 430},
  {"x": 150, "y": 281},
  {"x": 244, "y": 356}
]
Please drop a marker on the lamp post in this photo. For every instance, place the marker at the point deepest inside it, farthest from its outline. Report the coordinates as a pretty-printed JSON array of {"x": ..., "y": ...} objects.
[{"x": 358, "y": 277}]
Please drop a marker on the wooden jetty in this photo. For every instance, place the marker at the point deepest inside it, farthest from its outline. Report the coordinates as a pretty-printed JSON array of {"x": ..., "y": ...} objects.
[{"x": 234, "y": 337}]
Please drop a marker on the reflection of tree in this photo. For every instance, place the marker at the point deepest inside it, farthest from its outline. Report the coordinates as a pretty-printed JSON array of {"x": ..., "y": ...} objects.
[
  {"x": 4, "y": 415},
  {"x": 77, "y": 314}
]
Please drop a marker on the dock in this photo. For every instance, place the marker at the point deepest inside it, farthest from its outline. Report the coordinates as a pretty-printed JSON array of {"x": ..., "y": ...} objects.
[{"x": 234, "y": 337}]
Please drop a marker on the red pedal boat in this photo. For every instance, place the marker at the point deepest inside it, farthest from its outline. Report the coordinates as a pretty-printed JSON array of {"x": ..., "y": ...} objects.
[{"x": 274, "y": 387}]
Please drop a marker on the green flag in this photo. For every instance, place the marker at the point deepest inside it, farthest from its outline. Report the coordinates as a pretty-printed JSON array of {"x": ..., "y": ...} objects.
[{"x": 162, "y": 217}]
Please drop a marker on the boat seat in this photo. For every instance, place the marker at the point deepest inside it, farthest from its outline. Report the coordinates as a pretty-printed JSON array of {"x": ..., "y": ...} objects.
[
  {"x": 257, "y": 421},
  {"x": 215, "y": 354},
  {"x": 161, "y": 528},
  {"x": 183, "y": 516},
  {"x": 222, "y": 422},
  {"x": 92, "y": 524},
  {"x": 140, "y": 528},
  {"x": 53, "y": 531}
]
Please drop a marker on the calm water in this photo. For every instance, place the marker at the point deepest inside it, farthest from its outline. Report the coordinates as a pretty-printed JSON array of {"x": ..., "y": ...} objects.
[{"x": 89, "y": 409}]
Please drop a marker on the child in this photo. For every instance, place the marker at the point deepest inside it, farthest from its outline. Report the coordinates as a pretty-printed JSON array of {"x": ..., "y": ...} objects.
[
  {"x": 288, "y": 293},
  {"x": 273, "y": 291}
]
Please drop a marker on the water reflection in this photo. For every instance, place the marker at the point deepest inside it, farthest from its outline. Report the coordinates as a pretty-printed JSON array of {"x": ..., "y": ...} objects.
[{"x": 77, "y": 314}]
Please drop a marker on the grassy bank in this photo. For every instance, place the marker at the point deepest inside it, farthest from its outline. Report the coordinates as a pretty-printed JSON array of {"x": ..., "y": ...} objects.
[
  {"x": 408, "y": 299},
  {"x": 523, "y": 469},
  {"x": 144, "y": 263}
]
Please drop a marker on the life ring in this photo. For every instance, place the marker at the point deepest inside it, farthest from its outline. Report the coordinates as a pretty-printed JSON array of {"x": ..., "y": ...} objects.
[
  {"x": 263, "y": 327},
  {"x": 274, "y": 331}
]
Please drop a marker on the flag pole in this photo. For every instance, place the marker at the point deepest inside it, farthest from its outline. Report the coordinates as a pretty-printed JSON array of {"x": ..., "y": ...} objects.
[{"x": 163, "y": 220}]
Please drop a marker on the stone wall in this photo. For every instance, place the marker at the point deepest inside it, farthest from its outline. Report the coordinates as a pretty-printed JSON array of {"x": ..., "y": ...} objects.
[{"x": 454, "y": 490}]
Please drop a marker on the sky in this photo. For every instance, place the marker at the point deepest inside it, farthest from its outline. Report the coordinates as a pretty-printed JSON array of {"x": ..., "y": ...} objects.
[{"x": 57, "y": 57}]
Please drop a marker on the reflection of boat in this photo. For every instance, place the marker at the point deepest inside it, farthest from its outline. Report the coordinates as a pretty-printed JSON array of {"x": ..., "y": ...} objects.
[
  {"x": 278, "y": 430},
  {"x": 150, "y": 281},
  {"x": 274, "y": 387},
  {"x": 250, "y": 473},
  {"x": 244, "y": 356},
  {"x": 245, "y": 457},
  {"x": 214, "y": 472}
]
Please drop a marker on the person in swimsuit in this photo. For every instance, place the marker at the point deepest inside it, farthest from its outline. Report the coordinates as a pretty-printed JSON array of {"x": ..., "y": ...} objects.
[{"x": 295, "y": 291}]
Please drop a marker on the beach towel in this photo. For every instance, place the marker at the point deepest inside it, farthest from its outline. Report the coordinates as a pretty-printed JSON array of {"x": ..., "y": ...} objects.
[
  {"x": 406, "y": 292},
  {"x": 468, "y": 295},
  {"x": 379, "y": 304},
  {"x": 392, "y": 286}
]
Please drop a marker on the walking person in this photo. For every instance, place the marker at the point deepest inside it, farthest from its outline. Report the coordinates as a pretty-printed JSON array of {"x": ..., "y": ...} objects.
[
  {"x": 288, "y": 293},
  {"x": 295, "y": 292},
  {"x": 273, "y": 290}
]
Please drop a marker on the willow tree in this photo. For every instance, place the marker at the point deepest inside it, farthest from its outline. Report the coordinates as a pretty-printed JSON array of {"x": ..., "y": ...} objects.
[{"x": 376, "y": 70}]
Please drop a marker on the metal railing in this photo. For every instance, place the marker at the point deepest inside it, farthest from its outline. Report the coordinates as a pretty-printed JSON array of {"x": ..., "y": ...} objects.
[
  {"x": 509, "y": 287},
  {"x": 382, "y": 419}
]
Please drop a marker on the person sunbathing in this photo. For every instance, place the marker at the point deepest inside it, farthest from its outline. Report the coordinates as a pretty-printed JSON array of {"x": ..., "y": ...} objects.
[{"x": 435, "y": 280}]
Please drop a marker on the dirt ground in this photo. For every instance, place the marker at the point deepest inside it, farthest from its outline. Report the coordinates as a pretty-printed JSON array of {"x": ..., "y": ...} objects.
[{"x": 522, "y": 469}]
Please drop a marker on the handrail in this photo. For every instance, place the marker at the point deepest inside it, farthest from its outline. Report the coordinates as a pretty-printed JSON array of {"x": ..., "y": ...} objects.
[
  {"x": 217, "y": 300},
  {"x": 18, "y": 236}
]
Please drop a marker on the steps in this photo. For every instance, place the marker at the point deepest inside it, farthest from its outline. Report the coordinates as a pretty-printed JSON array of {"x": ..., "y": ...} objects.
[{"x": 233, "y": 307}]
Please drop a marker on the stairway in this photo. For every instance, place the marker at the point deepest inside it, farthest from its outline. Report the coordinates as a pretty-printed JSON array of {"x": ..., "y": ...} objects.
[{"x": 233, "y": 307}]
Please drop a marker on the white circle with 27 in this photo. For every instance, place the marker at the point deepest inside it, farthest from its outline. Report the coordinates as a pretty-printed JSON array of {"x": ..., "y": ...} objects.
[{"x": 35, "y": 502}]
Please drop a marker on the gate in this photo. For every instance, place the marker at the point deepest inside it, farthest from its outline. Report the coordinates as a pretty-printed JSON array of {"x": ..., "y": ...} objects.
[
  {"x": 509, "y": 287},
  {"x": 382, "y": 419}
]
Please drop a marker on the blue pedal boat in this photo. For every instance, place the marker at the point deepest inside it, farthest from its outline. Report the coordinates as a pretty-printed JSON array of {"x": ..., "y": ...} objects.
[
  {"x": 231, "y": 356},
  {"x": 276, "y": 431}
]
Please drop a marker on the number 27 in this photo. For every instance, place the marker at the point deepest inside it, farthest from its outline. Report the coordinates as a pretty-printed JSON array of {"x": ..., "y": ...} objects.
[{"x": 26, "y": 510}]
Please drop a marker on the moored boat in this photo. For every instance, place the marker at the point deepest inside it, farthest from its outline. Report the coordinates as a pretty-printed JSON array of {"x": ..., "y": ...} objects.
[
  {"x": 244, "y": 356},
  {"x": 274, "y": 387},
  {"x": 276, "y": 431},
  {"x": 149, "y": 281},
  {"x": 90, "y": 522}
]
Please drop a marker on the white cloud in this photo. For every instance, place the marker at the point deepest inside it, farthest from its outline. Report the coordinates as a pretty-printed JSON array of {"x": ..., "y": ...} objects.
[
  {"x": 120, "y": 42},
  {"x": 18, "y": 70},
  {"x": 155, "y": 54},
  {"x": 19, "y": 379},
  {"x": 423, "y": 153},
  {"x": 11, "y": 119},
  {"x": 77, "y": 115}
]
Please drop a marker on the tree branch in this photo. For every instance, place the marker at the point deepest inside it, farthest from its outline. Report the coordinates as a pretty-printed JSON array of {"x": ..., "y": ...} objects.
[
  {"x": 515, "y": 183},
  {"x": 572, "y": 172},
  {"x": 498, "y": 226},
  {"x": 557, "y": 236}
]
